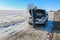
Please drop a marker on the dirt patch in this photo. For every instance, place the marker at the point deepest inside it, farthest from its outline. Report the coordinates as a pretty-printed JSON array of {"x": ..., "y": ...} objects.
[
  {"x": 57, "y": 26},
  {"x": 31, "y": 34}
]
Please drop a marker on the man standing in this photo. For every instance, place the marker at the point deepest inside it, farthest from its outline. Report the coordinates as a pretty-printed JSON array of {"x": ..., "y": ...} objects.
[{"x": 30, "y": 10}]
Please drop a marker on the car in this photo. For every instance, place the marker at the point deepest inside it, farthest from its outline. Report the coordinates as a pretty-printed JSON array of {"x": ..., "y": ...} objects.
[{"x": 39, "y": 20}]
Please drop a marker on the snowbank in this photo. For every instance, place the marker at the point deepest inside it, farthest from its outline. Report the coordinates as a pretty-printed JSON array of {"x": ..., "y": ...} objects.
[
  {"x": 11, "y": 19},
  {"x": 12, "y": 32}
]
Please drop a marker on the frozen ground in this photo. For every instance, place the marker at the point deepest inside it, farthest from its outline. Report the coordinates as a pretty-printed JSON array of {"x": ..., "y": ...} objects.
[
  {"x": 57, "y": 26},
  {"x": 11, "y": 17}
]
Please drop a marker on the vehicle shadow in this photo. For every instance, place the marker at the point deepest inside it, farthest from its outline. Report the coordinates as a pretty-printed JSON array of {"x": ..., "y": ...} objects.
[
  {"x": 40, "y": 27},
  {"x": 48, "y": 27},
  {"x": 57, "y": 26}
]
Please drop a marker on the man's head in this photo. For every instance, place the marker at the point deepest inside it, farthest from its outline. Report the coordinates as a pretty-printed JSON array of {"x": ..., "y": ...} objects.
[{"x": 35, "y": 7}]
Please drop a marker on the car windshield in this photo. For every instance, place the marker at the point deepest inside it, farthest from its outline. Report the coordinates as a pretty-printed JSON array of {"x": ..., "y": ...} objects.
[{"x": 40, "y": 11}]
